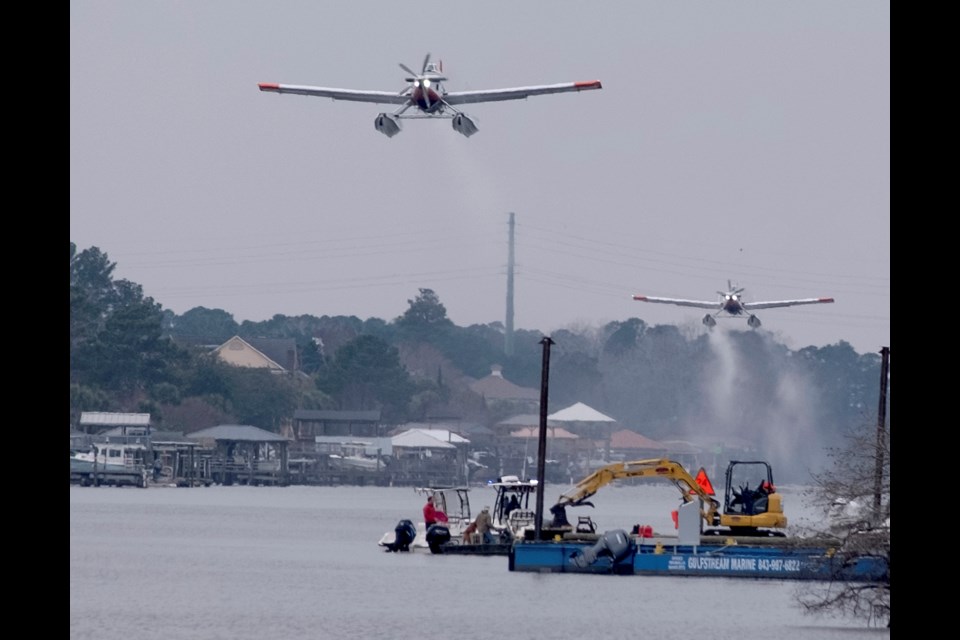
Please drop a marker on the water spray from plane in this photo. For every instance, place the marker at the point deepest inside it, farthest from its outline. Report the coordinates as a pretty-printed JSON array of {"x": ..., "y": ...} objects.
[{"x": 758, "y": 403}]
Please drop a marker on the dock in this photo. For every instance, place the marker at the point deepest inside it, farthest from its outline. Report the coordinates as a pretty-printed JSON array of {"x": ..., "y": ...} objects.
[{"x": 744, "y": 557}]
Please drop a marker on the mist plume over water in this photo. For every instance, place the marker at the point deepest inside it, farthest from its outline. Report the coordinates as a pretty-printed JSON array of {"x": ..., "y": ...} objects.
[{"x": 755, "y": 398}]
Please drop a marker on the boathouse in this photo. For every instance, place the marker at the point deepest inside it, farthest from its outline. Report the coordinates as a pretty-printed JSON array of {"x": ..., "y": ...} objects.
[
  {"x": 126, "y": 424},
  {"x": 183, "y": 462},
  {"x": 244, "y": 454}
]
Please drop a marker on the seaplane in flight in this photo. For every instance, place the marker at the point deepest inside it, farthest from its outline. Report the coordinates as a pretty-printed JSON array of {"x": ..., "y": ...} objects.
[
  {"x": 428, "y": 98},
  {"x": 731, "y": 305}
]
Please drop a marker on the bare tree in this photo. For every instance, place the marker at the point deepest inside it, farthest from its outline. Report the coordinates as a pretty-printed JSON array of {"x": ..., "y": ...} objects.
[{"x": 854, "y": 498}]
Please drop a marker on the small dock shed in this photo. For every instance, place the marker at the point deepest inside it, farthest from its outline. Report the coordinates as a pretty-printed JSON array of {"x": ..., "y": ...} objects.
[{"x": 244, "y": 454}]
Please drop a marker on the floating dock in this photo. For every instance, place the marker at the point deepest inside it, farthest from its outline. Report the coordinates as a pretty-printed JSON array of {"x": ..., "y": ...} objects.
[{"x": 617, "y": 552}]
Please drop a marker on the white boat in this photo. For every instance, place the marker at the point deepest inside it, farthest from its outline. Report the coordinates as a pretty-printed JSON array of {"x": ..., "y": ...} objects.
[
  {"x": 112, "y": 456},
  {"x": 111, "y": 463},
  {"x": 513, "y": 511},
  {"x": 356, "y": 462},
  {"x": 454, "y": 502},
  {"x": 512, "y": 514}
]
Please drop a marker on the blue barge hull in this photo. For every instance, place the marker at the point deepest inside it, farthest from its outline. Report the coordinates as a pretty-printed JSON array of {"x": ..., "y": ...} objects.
[{"x": 781, "y": 562}]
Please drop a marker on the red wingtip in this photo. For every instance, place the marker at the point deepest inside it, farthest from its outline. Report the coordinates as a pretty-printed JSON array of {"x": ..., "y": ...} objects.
[
  {"x": 592, "y": 84},
  {"x": 639, "y": 297},
  {"x": 826, "y": 299},
  {"x": 268, "y": 86}
]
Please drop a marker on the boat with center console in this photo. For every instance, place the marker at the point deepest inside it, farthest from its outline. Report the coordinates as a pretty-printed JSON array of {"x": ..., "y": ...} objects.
[{"x": 454, "y": 505}]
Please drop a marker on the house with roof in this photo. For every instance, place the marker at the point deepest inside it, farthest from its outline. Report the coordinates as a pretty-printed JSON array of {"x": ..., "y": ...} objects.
[
  {"x": 497, "y": 390},
  {"x": 627, "y": 444},
  {"x": 278, "y": 355},
  {"x": 310, "y": 423}
]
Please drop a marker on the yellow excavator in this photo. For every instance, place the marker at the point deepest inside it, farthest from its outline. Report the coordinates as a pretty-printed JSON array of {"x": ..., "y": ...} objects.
[{"x": 751, "y": 504}]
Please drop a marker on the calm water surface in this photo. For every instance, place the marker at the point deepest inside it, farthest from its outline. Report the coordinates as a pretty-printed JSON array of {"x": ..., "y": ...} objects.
[{"x": 283, "y": 563}]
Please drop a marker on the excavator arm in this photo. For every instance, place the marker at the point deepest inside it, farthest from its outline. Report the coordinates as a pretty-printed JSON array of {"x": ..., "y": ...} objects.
[{"x": 651, "y": 468}]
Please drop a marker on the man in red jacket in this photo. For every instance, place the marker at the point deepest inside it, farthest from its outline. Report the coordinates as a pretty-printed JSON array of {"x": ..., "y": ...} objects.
[{"x": 431, "y": 515}]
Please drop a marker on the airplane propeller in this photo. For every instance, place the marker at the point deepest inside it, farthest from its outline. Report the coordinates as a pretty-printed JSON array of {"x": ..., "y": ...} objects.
[
  {"x": 731, "y": 290},
  {"x": 418, "y": 79}
]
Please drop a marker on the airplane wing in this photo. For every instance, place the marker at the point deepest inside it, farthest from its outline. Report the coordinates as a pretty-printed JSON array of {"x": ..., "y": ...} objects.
[
  {"x": 517, "y": 93},
  {"x": 749, "y": 306},
  {"x": 700, "y": 304},
  {"x": 377, "y": 97}
]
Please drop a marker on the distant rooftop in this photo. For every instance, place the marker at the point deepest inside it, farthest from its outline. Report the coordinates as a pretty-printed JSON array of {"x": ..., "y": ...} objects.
[
  {"x": 103, "y": 418},
  {"x": 629, "y": 439},
  {"x": 337, "y": 416},
  {"x": 428, "y": 439},
  {"x": 243, "y": 432},
  {"x": 580, "y": 412},
  {"x": 496, "y": 387}
]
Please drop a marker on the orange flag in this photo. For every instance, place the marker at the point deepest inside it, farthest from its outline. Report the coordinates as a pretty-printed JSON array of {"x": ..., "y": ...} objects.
[{"x": 704, "y": 482}]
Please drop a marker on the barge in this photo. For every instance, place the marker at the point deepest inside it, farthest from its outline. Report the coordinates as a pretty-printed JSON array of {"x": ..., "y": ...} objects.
[
  {"x": 617, "y": 552},
  {"x": 743, "y": 537},
  {"x": 690, "y": 553}
]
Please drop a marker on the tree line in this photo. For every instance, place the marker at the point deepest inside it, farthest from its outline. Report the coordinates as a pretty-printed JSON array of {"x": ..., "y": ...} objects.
[{"x": 128, "y": 353}]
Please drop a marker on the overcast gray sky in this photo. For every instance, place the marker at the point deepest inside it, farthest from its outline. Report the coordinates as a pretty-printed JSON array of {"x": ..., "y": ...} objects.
[{"x": 739, "y": 140}]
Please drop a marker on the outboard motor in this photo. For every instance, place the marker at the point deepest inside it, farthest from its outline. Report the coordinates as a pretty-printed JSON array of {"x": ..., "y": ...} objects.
[
  {"x": 405, "y": 532},
  {"x": 437, "y": 535},
  {"x": 615, "y": 545}
]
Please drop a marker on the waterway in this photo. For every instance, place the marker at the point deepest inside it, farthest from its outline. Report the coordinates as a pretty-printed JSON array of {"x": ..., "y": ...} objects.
[{"x": 239, "y": 563}]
